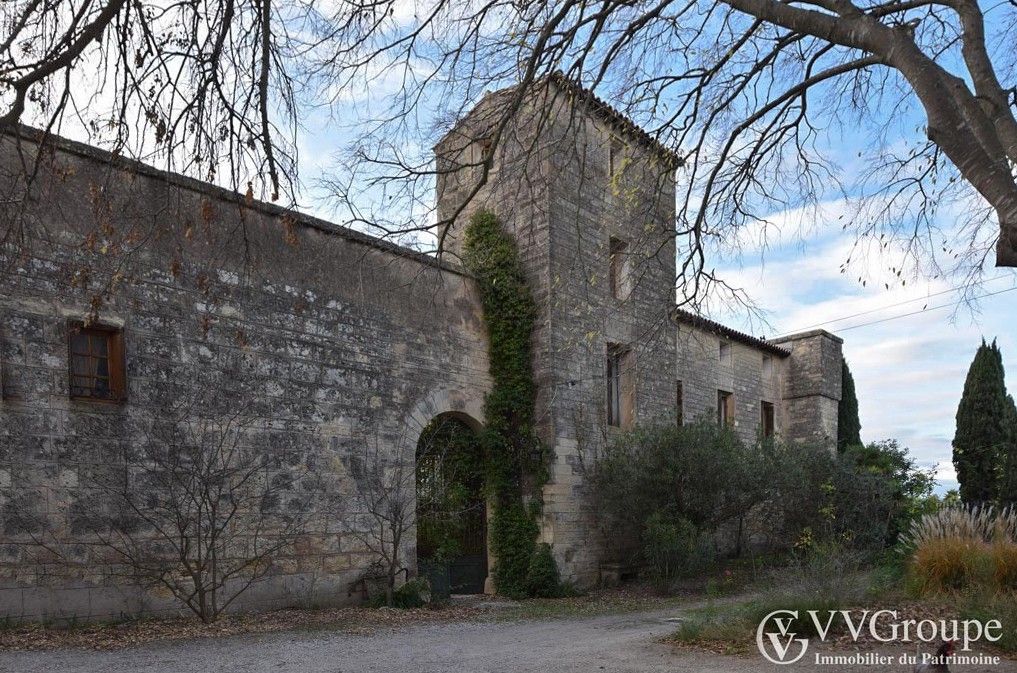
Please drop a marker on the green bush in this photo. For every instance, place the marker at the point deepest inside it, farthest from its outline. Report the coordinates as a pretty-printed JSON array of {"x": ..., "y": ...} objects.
[
  {"x": 674, "y": 487},
  {"x": 542, "y": 580},
  {"x": 414, "y": 594},
  {"x": 673, "y": 548}
]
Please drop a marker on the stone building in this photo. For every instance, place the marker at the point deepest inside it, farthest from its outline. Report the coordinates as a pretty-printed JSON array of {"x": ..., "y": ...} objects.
[{"x": 171, "y": 289}]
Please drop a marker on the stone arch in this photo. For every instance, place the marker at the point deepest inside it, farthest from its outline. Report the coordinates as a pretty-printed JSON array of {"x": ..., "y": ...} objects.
[
  {"x": 467, "y": 408},
  {"x": 460, "y": 529}
]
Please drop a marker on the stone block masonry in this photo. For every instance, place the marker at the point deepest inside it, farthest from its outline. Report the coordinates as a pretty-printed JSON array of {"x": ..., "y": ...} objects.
[
  {"x": 341, "y": 346},
  {"x": 336, "y": 340}
]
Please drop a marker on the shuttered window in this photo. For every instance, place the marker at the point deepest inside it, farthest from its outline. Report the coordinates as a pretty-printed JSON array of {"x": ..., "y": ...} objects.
[{"x": 96, "y": 362}]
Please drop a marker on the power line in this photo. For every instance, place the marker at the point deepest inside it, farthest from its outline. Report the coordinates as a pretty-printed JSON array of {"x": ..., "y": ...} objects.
[
  {"x": 883, "y": 308},
  {"x": 923, "y": 310}
]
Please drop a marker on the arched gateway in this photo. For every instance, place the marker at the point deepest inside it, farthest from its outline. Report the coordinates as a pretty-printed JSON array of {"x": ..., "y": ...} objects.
[{"x": 451, "y": 505}]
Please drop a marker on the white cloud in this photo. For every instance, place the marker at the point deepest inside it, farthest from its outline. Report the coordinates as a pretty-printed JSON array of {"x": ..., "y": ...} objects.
[{"x": 909, "y": 371}]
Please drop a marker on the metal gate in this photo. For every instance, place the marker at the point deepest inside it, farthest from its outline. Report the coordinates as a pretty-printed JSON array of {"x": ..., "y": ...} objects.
[
  {"x": 451, "y": 509},
  {"x": 468, "y": 569}
]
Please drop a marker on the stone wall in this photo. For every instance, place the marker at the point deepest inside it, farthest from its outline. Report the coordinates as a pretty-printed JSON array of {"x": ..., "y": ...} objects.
[
  {"x": 751, "y": 373},
  {"x": 340, "y": 344},
  {"x": 811, "y": 387},
  {"x": 551, "y": 184}
]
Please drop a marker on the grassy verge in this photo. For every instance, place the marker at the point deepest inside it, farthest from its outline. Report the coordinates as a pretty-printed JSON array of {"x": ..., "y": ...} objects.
[
  {"x": 592, "y": 604},
  {"x": 730, "y": 628}
]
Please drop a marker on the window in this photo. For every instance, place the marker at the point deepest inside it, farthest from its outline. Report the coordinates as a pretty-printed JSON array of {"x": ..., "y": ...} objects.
[
  {"x": 767, "y": 368},
  {"x": 725, "y": 408},
  {"x": 724, "y": 353},
  {"x": 616, "y": 156},
  {"x": 620, "y": 386},
  {"x": 96, "y": 362},
  {"x": 680, "y": 405},
  {"x": 766, "y": 419},
  {"x": 619, "y": 271}
]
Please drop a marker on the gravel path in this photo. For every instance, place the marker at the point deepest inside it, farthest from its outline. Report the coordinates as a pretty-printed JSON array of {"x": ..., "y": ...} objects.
[{"x": 617, "y": 644}]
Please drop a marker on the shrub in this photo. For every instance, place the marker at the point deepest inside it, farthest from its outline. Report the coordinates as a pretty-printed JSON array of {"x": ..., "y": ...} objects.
[
  {"x": 950, "y": 564},
  {"x": 542, "y": 580},
  {"x": 673, "y": 547},
  {"x": 668, "y": 486},
  {"x": 963, "y": 548},
  {"x": 699, "y": 472},
  {"x": 414, "y": 594}
]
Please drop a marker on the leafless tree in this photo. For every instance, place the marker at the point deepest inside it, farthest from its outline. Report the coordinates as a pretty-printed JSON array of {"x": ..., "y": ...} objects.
[
  {"x": 751, "y": 93},
  {"x": 390, "y": 496},
  {"x": 382, "y": 513},
  {"x": 196, "y": 508}
]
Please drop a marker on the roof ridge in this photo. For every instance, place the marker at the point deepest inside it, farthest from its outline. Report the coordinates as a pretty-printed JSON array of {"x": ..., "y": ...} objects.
[
  {"x": 616, "y": 116},
  {"x": 703, "y": 322}
]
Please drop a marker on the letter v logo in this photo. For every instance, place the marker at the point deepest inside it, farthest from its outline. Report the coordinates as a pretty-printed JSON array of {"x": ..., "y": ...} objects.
[{"x": 776, "y": 646}]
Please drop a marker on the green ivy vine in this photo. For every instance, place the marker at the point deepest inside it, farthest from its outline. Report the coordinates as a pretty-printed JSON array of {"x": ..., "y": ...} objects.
[{"x": 515, "y": 459}]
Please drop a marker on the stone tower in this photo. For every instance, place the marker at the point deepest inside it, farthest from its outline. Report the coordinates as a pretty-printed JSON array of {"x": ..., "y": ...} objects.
[{"x": 590, "y": 199}]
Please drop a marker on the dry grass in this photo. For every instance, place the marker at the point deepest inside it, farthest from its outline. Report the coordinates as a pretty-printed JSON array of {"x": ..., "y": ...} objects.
[
  {"x": 1004, "y": 557},
  {"x": 964, "y": 548}
]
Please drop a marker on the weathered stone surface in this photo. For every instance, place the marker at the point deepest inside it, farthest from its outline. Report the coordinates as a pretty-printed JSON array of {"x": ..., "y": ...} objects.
[
  {"x": 339, "y": 341},
  {"x": 342, "y": 342}
]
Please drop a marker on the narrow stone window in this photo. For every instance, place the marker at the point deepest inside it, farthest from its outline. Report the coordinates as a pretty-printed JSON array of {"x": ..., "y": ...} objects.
[
  {"x": 766, "y": 419},
  {"x": 96, "y": 365},
  {"x": 767, "y": 368},
  {"x": 680, "y": 405},
  {"x": 725, "y": 409},
  {"x": 616, "y": 156},
  {"x": 619, "y": 275},
  {"x": 724, "y": 353},
  {"x": 620, "y": 386}
]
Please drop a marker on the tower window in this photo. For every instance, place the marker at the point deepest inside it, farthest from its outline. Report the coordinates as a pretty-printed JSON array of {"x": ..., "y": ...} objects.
[
  {"x": 767, "y": 368},
  {"x": 766, "y": 419},
  {"x": 620, "y": 386},
  {"x": 724, "y": 353},
  {"x": 680, "y": 405},
  {"x": 620, "y": 271},
  {"x": 96, "y": 362},
  {"x": 616, "y": 156},
  {"x": 725, "y": 409}
]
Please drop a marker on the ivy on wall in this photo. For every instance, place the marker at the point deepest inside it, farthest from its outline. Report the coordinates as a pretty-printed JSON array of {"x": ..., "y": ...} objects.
[{"x": 514, "y": 457}]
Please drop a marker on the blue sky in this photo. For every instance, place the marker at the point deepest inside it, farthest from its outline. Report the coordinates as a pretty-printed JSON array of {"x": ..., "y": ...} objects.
[{"x": 909, "y": 370}]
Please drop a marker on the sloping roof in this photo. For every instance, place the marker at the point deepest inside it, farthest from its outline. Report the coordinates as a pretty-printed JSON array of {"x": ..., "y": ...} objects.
[
  {"x": 707, "y": 325},
  {"x": 38, "y": 136},
  {"x": 616, "y": 118},
  {"x": 483, "y": 113}
]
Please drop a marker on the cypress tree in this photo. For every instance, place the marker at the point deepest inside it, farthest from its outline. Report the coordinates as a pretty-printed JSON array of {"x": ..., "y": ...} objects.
[
  {"x": 1008, "y": 483},
  {"x": 849, "y": 426},
  {"x": 981, "y": 430}
]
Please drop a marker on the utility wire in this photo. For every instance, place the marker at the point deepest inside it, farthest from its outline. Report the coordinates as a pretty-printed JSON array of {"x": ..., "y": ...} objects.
[
  {"x": 923, "y": 310},
  {"x": 883, "y": 308}
]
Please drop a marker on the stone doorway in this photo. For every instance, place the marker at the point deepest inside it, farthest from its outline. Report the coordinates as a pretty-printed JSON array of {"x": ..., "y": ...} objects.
[{"x": 451, "y": 507}]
